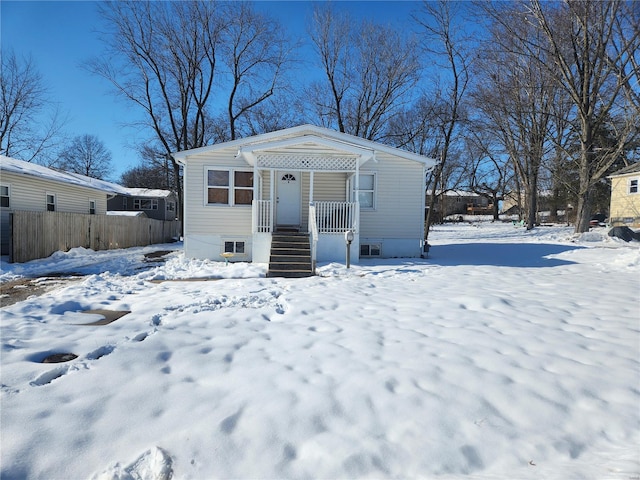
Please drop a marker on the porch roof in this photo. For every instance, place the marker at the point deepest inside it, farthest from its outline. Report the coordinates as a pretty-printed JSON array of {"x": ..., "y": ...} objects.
[{"x": 293, "y": 138}]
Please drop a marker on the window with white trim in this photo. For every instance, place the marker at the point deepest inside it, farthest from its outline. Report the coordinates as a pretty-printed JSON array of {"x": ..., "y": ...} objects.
[
  {"x": 92, "y": 207},
  {"x": 145, "y": 204},
  {"x": 229, "y": 187},
  {"x": 370, "y": 250},
  {"x": 233, "y": 247},
  {"x": 633, "y": 185},
  {"x": 367, "y": 191},
  {"x": 51, "y": 202},
  {"x": 5, "y": 196}
]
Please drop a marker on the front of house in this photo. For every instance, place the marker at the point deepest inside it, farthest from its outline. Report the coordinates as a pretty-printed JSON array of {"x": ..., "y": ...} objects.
[{"x": 303, "y": 179}]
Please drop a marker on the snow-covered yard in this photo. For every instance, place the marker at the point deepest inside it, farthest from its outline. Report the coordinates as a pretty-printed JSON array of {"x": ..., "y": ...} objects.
[{"x": 506, "y": 354}]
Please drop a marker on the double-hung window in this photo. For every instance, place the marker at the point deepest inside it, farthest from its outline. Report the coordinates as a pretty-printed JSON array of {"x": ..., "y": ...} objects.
[
  {"x": 92, "y": 207},
  {"x": 51, "y": 202},
  {"x": 633, "y": 185},
  {"x": 5, "y": 196},
  {"x": 367, "y": 191},
  {"x": 229, "y": 187}
]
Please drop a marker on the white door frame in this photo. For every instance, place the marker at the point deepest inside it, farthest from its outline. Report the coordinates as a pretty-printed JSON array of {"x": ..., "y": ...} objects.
[{"x": 288, "y": 200}]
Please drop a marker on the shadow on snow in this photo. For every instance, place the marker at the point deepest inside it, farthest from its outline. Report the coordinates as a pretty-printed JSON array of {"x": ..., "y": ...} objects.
[{"x": 499, "y": 254}]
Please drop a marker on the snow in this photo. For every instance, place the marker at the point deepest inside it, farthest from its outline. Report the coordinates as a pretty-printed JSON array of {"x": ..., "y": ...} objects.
[
  {"x": 506, "y": 354},
  {"x": 13, "y": 165}
]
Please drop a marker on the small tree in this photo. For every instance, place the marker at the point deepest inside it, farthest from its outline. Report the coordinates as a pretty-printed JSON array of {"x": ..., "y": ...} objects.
[
  {"x": 23, "y": 104},
  {"x": 86, "y": 155}
]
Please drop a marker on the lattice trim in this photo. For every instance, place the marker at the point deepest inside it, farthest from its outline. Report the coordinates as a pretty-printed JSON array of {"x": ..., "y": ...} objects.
[{"x": 305, "y": 162}]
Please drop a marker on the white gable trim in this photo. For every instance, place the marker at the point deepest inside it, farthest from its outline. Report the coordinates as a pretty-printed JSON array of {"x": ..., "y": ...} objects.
[{"x": 335, "y": 139}]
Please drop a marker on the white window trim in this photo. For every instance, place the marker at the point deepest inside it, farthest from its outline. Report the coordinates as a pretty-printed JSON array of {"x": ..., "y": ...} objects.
[
  {"x": 46, "y": 202},
  {"x": 375, "y": 191},
  {"x": 637, "y": 180},
  {"x": 95, "y": 207},
  {"x": 235, "y": 246},
  {"x": 231, "y": 187},
  {"x": 153, "y": 202},
  {"x": 8, "y": 194},
  {"x": 374, "y": 244}
]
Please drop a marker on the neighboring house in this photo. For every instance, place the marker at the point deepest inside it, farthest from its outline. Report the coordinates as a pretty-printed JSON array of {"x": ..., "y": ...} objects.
[
  {"x": 625, "y": 196},
  {"x": 460, "y": 202},
  {"x": 308, "y": 179},
  {"x": 32, "y": 187},
  {"x": 157, "y": 204}
]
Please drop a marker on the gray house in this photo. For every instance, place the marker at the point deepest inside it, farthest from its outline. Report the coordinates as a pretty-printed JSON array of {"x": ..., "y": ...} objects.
[{"x": 156, "y": 204}]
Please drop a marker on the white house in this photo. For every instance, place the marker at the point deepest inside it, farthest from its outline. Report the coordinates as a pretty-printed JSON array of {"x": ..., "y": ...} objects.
[
  {"x": 322, "y": 183},
  {"x": 32, "y": 187}
]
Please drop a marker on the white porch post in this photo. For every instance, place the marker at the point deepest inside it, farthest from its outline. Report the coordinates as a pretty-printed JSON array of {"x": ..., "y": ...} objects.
[
  {"x": 272, "y": 177},
  {"x": 311, "y": 186}
]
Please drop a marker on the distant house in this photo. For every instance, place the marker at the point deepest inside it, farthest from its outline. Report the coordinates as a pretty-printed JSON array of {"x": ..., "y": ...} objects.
[
  {"x": 156, "y": 204},
  {"x": 242, "y": 197},
  {"x": 461, "y": 202},
  {"x": 625, "y": 196},
  {"x": 32, "y": 187}
]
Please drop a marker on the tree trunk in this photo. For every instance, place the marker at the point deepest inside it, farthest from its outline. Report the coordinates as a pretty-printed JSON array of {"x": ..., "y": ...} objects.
[{"x": 496, "y": 211}]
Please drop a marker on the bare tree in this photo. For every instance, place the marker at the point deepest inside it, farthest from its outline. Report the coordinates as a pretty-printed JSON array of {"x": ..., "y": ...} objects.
[
  {"x": 443, "y": 40},
  {"x": 489, "y": 170},
  {"x": 29, "y": 124},
  {"x": 592, "y": 51},
  {"x": 86, "y": 155},
  {"x": 517, "y": 96},
  {"x": 255, "y": 51},
  {"x": 370, "y": 72},
  {"x": 162, "y": 59}
]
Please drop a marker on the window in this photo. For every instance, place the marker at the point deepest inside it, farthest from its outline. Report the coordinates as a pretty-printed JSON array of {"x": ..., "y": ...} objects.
[
  {"x": 229, "y": 187},
  {"x": 366, "y": 193},
  {"x": 124, "y": 203},
  {"x": 633, "y": 185},
  {"x": 145, "y": 204},
  {"x": 372, "y": 250},
  {"x": 92, "y": 207},
  {"x": 4, "y": 196},
  {"x": 171, "y": 206},
  {"x": 233, "y": 247},
  {"x": 51, "y": 202},
  {"x": 242, "y": 188}
]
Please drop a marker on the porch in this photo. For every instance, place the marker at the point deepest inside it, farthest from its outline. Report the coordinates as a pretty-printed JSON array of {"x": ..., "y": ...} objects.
[{"x": 326, "y": 224}]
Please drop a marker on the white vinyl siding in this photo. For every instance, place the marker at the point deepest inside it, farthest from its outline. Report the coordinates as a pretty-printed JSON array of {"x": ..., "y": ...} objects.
[
  {"x": 201, "y": 218},
  {"x": 399, "y": 196},
  {"x": 30, "y": 193},
  {"x": 399, "y": 199}
]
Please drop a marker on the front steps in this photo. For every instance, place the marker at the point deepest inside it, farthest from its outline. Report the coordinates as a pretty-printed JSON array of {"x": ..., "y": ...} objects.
[{"x": 290, "y": 255}]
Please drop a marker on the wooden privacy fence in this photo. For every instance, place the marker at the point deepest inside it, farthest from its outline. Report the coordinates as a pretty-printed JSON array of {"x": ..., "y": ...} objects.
[{"x": 39, "y": 234}]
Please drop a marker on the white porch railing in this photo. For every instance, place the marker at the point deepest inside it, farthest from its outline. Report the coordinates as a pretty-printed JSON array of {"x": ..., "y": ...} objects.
[
  {"x": 262, "y": 216},
  {"x": 336, "y": 217},
  {"x": 313, "y": 235}
]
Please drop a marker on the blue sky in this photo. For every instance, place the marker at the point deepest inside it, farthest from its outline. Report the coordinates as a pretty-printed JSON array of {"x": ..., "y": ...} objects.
[{"x": 59, "y": 36}]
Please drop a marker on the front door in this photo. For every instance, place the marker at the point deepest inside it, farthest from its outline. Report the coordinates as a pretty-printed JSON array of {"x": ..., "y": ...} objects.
[{"x": 288, "y": 198}]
